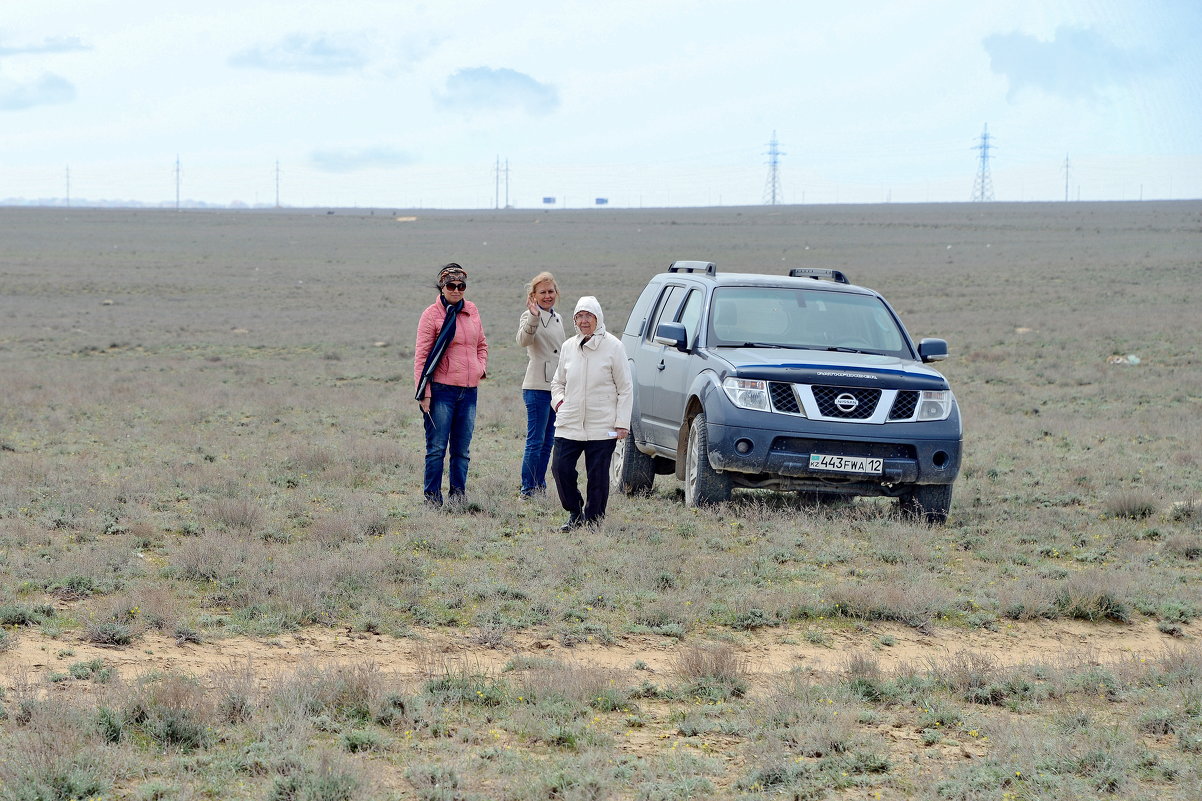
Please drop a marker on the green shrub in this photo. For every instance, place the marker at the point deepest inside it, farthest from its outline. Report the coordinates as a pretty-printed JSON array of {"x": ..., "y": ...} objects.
[
  {"x": 108, "y": 633},
  {"x": 21, "y": 615},
  {"x": 358, "y": 740},
  {"x": 95, "y": 669},
  {"x": 467, "y": 688},
  {"x": 1132, "y": 504}
]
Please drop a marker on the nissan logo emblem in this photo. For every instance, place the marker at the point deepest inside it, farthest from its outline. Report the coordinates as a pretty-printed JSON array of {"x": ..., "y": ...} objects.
[{"x": 846, "y": 403}]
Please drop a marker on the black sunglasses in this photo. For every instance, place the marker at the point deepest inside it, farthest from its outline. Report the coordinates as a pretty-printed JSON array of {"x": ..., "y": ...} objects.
[{"x": 456, "y": 286}]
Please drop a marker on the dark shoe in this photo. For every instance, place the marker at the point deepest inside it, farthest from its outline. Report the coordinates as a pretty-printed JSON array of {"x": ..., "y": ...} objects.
[
  {"x": 573, "y": 523},
  {"x": 433, "y": 499}
]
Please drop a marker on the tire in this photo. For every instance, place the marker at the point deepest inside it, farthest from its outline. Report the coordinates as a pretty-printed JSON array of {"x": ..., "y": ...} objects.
[
  {"x": 631, "y": 472},
  {"x": 926, "y": 503},
  {"x": 703, "y": 485}
]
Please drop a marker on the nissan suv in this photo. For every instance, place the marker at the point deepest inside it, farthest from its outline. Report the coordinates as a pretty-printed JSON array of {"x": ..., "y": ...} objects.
[{"x": 801, "y": 382}]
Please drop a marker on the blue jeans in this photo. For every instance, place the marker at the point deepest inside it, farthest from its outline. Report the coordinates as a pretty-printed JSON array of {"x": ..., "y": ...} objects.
[
  {"x": 450, "y": 423},
  {"x": 540, "y": 436}
]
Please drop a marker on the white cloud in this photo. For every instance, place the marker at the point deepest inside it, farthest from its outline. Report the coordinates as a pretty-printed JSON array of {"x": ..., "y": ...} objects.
[
  {"x": 45, "y": 90},
  {"x": 484, "y": 88},
  {"x": 322, "y": 54},
  {"x": 1075, "y": 64},
  {"x": 53, "y": 44}
]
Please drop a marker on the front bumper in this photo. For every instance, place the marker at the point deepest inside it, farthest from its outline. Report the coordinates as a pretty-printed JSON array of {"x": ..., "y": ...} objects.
[{"x": 907, "y": 459}]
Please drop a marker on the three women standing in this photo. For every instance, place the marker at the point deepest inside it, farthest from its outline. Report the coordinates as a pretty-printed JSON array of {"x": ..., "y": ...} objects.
[
  {"x": 540, "y": 332},
  {"x": 450, "y": 358}
]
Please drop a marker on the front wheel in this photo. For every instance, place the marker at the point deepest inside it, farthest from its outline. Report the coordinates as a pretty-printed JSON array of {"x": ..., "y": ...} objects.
[
  {"x": 631, "y": 472},
  {"x": 926, "y": 503},
  {"x": 703, "y": 485}
]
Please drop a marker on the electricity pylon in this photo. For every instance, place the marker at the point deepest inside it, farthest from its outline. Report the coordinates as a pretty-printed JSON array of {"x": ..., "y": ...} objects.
[
  {"x": 772, "y": 191},
  {"x": 982, "y": 184}
]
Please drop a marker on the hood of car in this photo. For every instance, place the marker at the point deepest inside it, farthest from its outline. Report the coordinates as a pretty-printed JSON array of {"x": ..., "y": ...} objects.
[{"x": 830, "y": 368}]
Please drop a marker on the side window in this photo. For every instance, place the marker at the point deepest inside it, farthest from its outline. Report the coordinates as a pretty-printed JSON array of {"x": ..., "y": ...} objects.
[
  {"x": 666, "y": 312},
  {"x": 691, "y": 316}
]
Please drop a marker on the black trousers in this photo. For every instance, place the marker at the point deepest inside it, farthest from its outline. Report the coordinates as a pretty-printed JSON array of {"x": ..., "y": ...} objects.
[{"x": 597, "y": 455}]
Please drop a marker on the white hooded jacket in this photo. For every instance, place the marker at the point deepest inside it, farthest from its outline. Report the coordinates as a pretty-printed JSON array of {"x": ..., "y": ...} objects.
[{"x": 592, "y": 382}]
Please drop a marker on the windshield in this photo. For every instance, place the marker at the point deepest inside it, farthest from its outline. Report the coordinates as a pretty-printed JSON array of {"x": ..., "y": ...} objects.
[{"x": 802, "y": 318}]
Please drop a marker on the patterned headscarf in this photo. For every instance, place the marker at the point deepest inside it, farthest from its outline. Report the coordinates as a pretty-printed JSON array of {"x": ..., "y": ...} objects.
[{"x": 450, "y": 272}]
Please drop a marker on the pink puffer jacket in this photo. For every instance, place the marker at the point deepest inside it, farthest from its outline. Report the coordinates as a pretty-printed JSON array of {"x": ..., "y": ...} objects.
[{"x": 466, "y": 359}]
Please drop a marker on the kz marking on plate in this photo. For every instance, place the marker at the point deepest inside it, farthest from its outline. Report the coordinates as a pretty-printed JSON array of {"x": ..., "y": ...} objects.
[{"x": 864, "y": 465}]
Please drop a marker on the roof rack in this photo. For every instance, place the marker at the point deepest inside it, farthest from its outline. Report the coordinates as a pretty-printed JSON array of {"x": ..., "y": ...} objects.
[
  {"x": 831, "y": 275},
  {"x": 706, "y": 267}
]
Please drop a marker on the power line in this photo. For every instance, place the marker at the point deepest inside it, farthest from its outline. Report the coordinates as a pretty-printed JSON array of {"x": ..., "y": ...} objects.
[
  {"x": 982, "y": 185},
  {"x": 499, "y": 171},
  {"x": 772, "y": 191}
]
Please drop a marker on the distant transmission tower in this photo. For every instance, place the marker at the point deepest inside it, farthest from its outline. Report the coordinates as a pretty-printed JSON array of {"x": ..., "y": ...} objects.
[
  {"x": 501, "y": 171},
  {"x": 772, "y": 191},
  {"x": 1066, "y": 177},
  {"x": 177, "y": 182},
  {"x": 982, "y": 185},
  {"x": 277, "y": 183}
]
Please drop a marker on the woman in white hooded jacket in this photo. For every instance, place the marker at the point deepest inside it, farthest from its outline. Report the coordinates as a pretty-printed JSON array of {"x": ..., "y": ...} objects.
[{"x": 592, "y": 396}]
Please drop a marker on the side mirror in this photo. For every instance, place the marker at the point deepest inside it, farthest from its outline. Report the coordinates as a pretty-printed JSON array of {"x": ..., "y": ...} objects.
[
  {"x": 673, "y": 335},
  {"x": 932, "y": 350}
]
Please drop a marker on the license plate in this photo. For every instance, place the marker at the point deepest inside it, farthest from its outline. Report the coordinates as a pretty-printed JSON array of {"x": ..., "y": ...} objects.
[{"x": 865, "y": 465}]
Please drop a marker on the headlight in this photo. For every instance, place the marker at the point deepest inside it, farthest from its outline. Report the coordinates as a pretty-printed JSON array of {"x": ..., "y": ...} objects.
[
  {"x": 935, "y": 404},
  {"x": 747, "y": 393}
]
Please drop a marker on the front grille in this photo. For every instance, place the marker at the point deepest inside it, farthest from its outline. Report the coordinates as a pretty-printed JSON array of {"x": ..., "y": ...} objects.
[
  {"x": 905, "y": 405},
  {"x": 827, "y": 398},
  {"x": 783, "y": 398},
  {"x": 881, "y": 450}
]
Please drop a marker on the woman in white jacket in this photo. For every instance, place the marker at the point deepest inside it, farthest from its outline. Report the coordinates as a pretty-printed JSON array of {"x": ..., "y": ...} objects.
[{"x": 592, "y": 395}]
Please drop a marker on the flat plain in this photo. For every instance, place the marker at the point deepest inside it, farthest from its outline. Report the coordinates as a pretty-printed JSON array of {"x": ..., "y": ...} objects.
[{"x": 217, "y": 578}]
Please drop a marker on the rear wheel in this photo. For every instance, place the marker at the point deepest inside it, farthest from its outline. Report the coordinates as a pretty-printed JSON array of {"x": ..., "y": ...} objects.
[
  {"x": 927, "y": 503},
  {"x": 703, "y": 485},
  {"x": 631, "y": 471}
]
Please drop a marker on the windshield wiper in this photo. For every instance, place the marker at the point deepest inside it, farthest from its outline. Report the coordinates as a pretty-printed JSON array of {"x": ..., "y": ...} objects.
[{"x": 754, "y": 345}]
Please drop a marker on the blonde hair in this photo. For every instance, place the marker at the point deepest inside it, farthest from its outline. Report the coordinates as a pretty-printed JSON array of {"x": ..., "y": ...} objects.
[{"x": 541, "y": 278}]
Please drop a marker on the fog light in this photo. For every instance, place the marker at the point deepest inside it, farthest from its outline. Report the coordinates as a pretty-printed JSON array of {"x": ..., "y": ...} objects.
[
  {"x": 940, "y": 459},
  {"x": 743, "y": 446}
]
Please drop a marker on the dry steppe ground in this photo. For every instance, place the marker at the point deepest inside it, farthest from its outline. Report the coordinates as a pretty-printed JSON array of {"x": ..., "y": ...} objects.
[{"x": 217, "y": 578}]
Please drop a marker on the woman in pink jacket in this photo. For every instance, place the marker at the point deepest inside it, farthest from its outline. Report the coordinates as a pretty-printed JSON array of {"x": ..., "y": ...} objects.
[{"x": 449, "y": 360}]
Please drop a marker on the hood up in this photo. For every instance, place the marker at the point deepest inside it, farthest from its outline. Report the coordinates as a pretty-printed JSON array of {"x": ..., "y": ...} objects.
[{"x": 589, "y": 303}]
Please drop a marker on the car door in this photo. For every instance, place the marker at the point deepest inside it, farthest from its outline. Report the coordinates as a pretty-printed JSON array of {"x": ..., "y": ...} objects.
[
  {"x": 676, "y": 369},
  {"x": 649, "y": 367}
]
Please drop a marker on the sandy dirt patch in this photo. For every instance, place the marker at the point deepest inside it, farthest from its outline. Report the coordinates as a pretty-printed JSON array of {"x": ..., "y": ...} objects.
[{"x": 767, "y": 652}]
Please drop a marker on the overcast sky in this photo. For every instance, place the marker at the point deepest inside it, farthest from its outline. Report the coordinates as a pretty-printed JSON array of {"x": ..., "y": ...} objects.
[{"x": 410, "y": 103}]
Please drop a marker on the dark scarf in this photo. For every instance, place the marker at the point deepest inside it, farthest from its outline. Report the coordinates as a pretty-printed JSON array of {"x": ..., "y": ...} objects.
[{"x": 440, "y": 345}]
